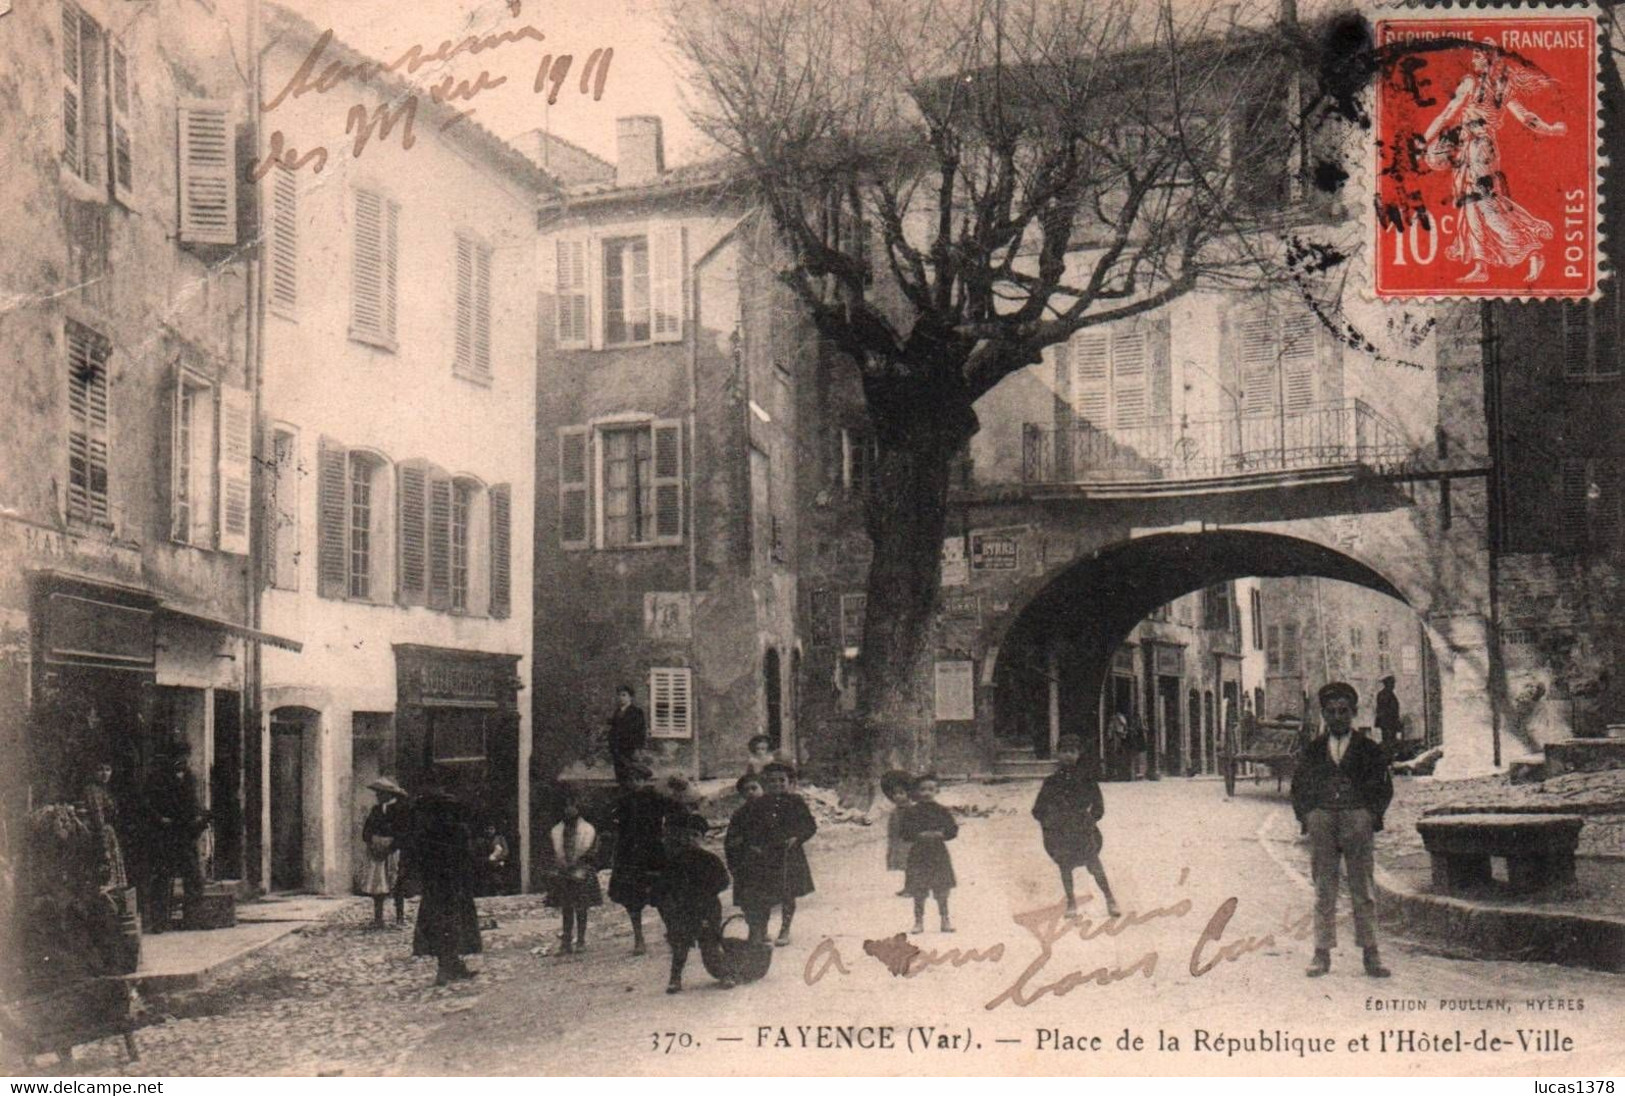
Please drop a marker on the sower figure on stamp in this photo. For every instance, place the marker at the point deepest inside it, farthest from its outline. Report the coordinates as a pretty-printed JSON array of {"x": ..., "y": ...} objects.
[
  {"x": 686, "y": 893},
  {"x": 766, "y": 836},
  {"x": 1339, "y": 793},
  {"x": 1069, "y": 809}
]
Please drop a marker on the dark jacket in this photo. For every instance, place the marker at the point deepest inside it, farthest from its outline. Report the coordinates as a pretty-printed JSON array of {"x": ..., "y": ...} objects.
[
  {"x": 1364, "y": 765},
  {"x": 1068, "y": 807},
  {"x": 640, "y": 822},
  {"x": 685, "y": 892},
  {"x": 930, "y": 867},
  {"x": 1388, "y": 713},
  {"x": 443, "y": 849},
  {"x": 766, "y": 867},
  {"x": 628, "y": 731}
]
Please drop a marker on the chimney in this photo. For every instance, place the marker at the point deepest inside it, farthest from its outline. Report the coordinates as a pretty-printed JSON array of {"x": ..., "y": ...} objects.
[{"x": 640, "y": 155}]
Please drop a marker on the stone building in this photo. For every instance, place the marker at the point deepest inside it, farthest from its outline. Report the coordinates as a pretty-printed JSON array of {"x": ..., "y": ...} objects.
[
  {"x": 126, "y": 592},
  {"x": 667, "y": 465},
  {"x": 398, "y": 418}
]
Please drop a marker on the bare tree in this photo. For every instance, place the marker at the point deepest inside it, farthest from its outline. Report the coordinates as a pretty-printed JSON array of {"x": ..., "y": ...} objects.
[{"x": 958, "y": 184}]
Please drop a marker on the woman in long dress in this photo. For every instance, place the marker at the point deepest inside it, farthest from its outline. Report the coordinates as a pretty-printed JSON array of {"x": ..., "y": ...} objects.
[
  {"x": 1493, "y": 229},
  {"x": 443, "y": 849},
  {"x": 104, "y": 823},
  {"x": 383, "y": 834}
]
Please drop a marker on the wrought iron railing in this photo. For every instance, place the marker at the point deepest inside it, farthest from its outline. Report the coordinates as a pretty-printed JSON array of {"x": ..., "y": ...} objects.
[{"x": 1324, "y": 436}]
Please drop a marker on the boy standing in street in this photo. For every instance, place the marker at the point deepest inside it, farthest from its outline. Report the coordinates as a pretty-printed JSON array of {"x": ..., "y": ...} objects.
[
  {"x": 1069, "y": 810},
  {"x": 686, "y": 893}
]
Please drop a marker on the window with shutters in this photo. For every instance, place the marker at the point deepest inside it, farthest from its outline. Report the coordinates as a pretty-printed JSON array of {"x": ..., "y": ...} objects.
[
  {"x": 626, "y": 290},
  {"x": 84, "y": 95},
  {"x": 501, "y": 498},
  {"x": 1279, "y": 361},
  {"x": 1272, "y": 646},
  {"x": 671, "y": 702},
  {"x": 1289, "y": 648},
  {"x": 374, "y": 266},
  {"x": 1591, "y": 337},
  {"x": 570, "y": 293},
  {"x": 627, "y": 487},
  {"x": 192, "y": 463},
  {"x": 472, "y": 357},
  {"x": 88, "y": 353},
  {"x": 1356, "y": 648},
  {"x": 1112, "y": 378},
  {"x": 621, "y": 484},
  {"x": 354, "y": 524},
  {"x": 284, "y": 250},
  {"x": 207, "y": 168},
  {"x": 1589, "y": 516},
  {"x": 121, "y": 171},
  {"x": 1218, "y": 608},
  {"x": 860, "y": 457},
  {"x": 462, "y": 503},
  {"x": 282, "y": 511},
  {"x": 1256, "y": 605}
]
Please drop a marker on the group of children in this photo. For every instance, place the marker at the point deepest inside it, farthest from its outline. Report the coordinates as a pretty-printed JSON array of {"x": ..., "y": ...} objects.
[
  {"x": 1068, "y": 809},
  {"x": 659, "y": 862}
]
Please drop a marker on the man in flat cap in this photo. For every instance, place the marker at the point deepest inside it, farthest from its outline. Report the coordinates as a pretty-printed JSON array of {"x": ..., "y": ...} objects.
[{"x": 1340, "y": 792}]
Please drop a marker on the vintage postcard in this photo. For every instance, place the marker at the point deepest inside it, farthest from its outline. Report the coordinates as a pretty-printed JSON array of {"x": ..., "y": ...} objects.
[{"x": 810, "y": 537}]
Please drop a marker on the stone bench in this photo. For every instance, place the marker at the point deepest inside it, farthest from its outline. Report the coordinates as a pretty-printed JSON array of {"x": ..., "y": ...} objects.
[{"x": 1538, "y": 848}]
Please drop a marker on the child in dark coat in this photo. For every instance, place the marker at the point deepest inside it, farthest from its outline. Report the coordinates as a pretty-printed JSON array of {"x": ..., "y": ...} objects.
[
  {"x": 928, "y": 827},
  {"x": 1069, "y": 808},
  {"x": 765, "y": 839},
  {"x": 641, "y": 818},
  {"x": 686, "y": 893}
]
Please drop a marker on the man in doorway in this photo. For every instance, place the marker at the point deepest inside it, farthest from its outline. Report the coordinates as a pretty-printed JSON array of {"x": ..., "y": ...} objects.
[
  {"x": 1388, "y": 721},
  {"x": 174, "y": 820},
  {"x": 1339, "y": 793},
  {"x": 628, "y": 732}
]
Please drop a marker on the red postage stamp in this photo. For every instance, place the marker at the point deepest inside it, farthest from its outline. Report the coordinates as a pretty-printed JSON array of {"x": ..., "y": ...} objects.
[{"x": 1487, "y": 156}]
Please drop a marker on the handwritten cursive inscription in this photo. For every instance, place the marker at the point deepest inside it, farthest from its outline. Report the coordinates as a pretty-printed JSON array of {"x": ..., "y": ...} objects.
[{"x": 314, "y": 77}]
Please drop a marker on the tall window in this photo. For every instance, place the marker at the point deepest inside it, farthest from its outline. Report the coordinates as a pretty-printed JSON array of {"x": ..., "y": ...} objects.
[
  {"x": 462, "y": 498},
  {"x": 193, "y": 462},
  {"x": 628, "y": 495},
  {"x": 1279, "y": 353},
  {"x": 283, "y": 254},
  {"x": 1256, "y": 603},
  {"x": 88, "y": 438},
  {"x": 83, "y": 91},
  {"x": 1218, "y": 611},
  {"x": 626, "y": 290},
  {"x": 1112, "y": 377},
  {"x": 361, "y": 475}
]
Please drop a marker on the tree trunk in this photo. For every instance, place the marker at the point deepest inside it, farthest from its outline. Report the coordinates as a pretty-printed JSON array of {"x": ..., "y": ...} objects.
[{"x": 907, "y": 516}]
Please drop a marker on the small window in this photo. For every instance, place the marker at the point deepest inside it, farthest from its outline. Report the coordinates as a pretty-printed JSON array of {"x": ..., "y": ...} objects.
[
  {"x": 671, "y": 703},
  {"x": 860, "y": 459},
  {"x": 853, "y": 609},
  {"x": 456, "y": 734}
]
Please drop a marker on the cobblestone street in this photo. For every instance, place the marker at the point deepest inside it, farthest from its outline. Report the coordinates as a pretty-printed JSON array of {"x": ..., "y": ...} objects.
[{"x": 341, "y": 998}]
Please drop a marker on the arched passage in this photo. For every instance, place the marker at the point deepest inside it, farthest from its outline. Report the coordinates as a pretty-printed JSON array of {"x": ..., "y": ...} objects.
[{"x": 1061, "y": 661}]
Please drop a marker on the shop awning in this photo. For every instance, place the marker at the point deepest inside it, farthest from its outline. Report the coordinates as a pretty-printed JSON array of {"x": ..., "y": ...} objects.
[{"x": 229, "y": 627}]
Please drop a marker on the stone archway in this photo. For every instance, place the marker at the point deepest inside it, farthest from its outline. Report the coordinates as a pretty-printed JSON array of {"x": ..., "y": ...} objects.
[{"x": 1086, "y": 608}]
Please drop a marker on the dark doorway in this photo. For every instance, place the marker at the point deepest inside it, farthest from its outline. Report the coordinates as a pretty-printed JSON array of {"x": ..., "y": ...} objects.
[
  {"x": 226, "y": 785},
  {"x": 288, "y": 798},
  {"x": 1193, "y": 726},
  {"x": 1206, "y": 745},
  {"x": 1167, "y": 709},
  {"x": 772, "y": 689}
]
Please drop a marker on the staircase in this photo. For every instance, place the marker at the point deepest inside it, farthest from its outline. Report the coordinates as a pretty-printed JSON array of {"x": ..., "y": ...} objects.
[{"x": 1021, "y": 763}]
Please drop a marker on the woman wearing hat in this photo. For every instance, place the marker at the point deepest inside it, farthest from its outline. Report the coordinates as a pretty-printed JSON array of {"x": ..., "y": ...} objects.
[{"x": 382, "y": 834}]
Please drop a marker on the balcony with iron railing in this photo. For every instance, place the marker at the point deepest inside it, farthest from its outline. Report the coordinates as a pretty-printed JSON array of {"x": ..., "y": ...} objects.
[{"x": 1342, "y": 435}]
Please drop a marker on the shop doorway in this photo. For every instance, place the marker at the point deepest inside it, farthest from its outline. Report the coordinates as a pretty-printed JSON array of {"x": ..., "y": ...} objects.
[{"x": 290, "y": 728}]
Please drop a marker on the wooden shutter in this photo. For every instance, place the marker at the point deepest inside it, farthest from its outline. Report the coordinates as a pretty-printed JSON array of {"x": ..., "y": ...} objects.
[
  {"x": 570, "y": 289},
  {"x": 332, "y": 520},
  {"x": 575, "y": 488},
  {"x": 1258, "y": 361},
  {"x": 440, "y": 488},
  {"x": 73, "y": 93},
  {"x": 666, "y": 284},
  {"x": 374, "y": 267},
  {"x": 1091, "y": 378},
  {"x": 121, "y": 162},
  {"x": 1299, "y": 352},
  {"x": 671, "y": 702},
  {"x": 668, "y": 481},
  {"x": 1131, "y": 375},
  {"x": 88, "y": 435},
  {"x": 1605, "y": 508},
  {"x": 180, "y": 451},
  {"x": 236, "y": 467},
  {"x": 501, "y": 550},
  {"x": 208, "y": 177},
  {"x": 284, "y": 240},
  {"x": 473, "y": 322},
  {"x": 412, "y": 480}
]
